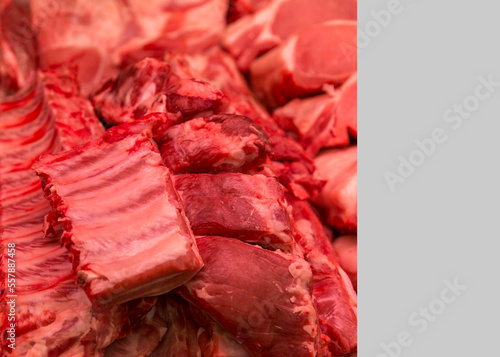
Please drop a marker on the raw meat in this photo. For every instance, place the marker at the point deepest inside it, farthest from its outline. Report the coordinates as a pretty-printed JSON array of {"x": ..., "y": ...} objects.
[
  {"x": 219, "y": 143},
  {"x": 17, "y": 48},
  {"x": 338, "y": 167},
  {"x": 142, "y": 340},
  {"x": 218, "y": 68},
  {"x": 347, "y": 107},
  {"x": 122, "y": 218},
  {"x": 179, "y": 25},
  {"x": 149, "y": 86},
  {"x": 347, "y": 251},
  {"x": 53, "y": 315},
  {"x": 74, "y": 115},
  {"x": 274, "y": 316},
  {"x": 253, "y": 35},
  {"x": 181, "y": 339},
  {"x": 246, "y": 207},
  {"x": 305, "y": 63},
  {"x": 335, "y": 298},
  {"x": 240, "y": 8}
]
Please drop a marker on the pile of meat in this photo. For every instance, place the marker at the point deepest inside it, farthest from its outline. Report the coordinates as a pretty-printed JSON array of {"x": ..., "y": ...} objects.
[{"x": 178, "y": 177}]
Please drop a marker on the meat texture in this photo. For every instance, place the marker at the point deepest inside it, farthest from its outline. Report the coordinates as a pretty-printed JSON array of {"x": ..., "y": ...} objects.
[
  {"x": 17, "y": 48},
  {"x": 347, "y": 251},
  {"x": 219, "y": 143},
  {"x": 273, "y": 24},
  {"x": 142, "y": 340},
  {"x": 74, "y": 115},
  {"x": 150, "y": 86},
  {"x": 240, "y": 8},
  {"x": 335, "y": 297},
  {"x": 274, "y": 316},
  {"x": 304, "y": 63},
  {"x": 122, "y": 217},
  {"x": 338, "y": 167},
  {"x": 216, "y": 67},
  {"x": 99, "y": 37},
  {"x": 53, "y": 315},
  {"x": 246, "y": 207},
  {"x": 181, "y": 339}
]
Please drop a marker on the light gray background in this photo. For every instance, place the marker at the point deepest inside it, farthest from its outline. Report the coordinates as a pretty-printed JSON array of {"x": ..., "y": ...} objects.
[{"x": 442, "y": 223}]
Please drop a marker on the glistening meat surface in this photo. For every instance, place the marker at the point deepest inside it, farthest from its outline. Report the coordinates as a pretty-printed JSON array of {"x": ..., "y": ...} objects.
[{"x": 125, "y": 226}]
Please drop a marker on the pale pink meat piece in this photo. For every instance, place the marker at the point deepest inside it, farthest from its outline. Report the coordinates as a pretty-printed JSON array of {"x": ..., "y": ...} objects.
[
  {"x": 338, "y": 167},
  {"x": 123, "y": 220},
  {"x": 347, "y": 251},
  {"x": 273, "y": 24},
  {"x": 304, "y": 63},
  {"x": 273, "y": 317}
]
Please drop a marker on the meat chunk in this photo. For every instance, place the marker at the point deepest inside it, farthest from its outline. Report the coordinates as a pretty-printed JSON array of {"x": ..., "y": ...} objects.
[
  {"x": 74, "y": 114},
  {"x": 53, "y": 315},
  {"x": 347, "y": 251},
  {"x": 220, "y": 143},
  {"x": 295, "y": 167},
  {"x": 269, "y": 308},
  {"x": 150, "y": 86},
  {"x": 142, "y": 340},
  {"x": 338, "y": 167},
  {"x": 347, "y": 107},
  {"x": 305, "y": 62},
  {"x": 335, "y": 298},
  {"x": 181, "y": 339},
  {"x": 123, "y": 221},
  {"x": 253, "y": 35},
  {"x": 250, "y": 208}
]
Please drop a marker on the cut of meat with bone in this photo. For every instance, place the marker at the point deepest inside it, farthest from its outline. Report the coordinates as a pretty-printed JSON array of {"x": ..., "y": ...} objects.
[
  {"x": 17, "y": 48},
  {"x": 220, "y": 143},
  {"x": 252, "y": 35},
  {"x": 336, "y": 300},
  {"x": 142, "y": 340},
  {"x": 149, "y": 86},
  {"x": 53, "y": 314},
  {"x": 338, "y": 167},
  {"x": 274, "y": 316},
  {"x": 127, "y": 243},
  {"x": 250, "y": 208},
  {"x": 305, "y": 62},
  {"x": 74, "y": 115}
]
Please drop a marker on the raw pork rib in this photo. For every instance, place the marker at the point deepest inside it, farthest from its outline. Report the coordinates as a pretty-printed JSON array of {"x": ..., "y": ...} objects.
[
  {"x": 305, "y": 62},
  {"x": 252, "y": 35},
  {"x": 149, "y": 86},
  {"x": 53, "y": 314},
  {"x": 122, "y": 218},
  {"x": 219, "y": 143},
  {"x": 272, "y": 317},
  {"x": 250, "y": 208},
  {"x": 335, "y": 298},
  {"x": 74, "y": 115},
  {"x": 338, "y": 167}
]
